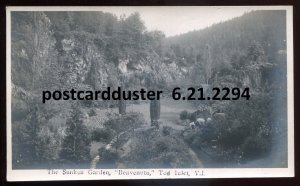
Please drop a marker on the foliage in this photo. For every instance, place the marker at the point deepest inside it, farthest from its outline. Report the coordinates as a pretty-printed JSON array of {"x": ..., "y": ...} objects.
[
  {"x": 154, "y": 110},
  {"x": 25, "y": 148},
  {"x": 33, "y": 51},
  {"x": 183, "y": 115},
  {"x": 124, "y": 122},
  {"x": 157, "y": 151},
  {"x": 166, "y": 130},
  {"x": 76, "y": 144},
  {"x": 35, "y": 141},
  {"x": 102, "y": 135},
  {"x": 92, "y": 112},
  {"x": 109, "y": 158},
  {"x": 123, "y": 125},
  {"x": 246, "y": 133}
]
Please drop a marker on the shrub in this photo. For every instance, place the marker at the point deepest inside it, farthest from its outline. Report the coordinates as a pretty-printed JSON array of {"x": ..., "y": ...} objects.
[
  {"x": 108, "y": 158},
  {"x": 255, "y": 147},
  {"x": 245, "y": 135},
  {"x": 120, "y": 123},
  {"x": 166, "y": 130},
  {"x": 123, "y": 125},
  {"x": 157, "y": 151},
  {"x": 183, "y": 115},
  {"x": 92, "y": 112},
  {"x": 102, "y": 135},
  {"x": 250, "y": 126}
]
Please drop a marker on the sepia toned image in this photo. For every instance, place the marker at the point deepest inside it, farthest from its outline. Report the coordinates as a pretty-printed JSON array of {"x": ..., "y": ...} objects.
[{"x": 156, "y": 92}]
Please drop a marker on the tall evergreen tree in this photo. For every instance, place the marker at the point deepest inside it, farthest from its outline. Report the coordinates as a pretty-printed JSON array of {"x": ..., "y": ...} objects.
[
  {"x": 30, "y": 138},
  {"x": 76, "y": 144}
]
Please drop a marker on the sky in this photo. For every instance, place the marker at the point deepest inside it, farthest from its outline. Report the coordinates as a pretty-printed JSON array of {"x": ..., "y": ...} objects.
[{"x": 177, "y": 20}]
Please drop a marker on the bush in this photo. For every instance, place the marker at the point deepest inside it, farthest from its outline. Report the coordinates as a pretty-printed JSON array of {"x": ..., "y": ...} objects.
[
  {"x": 108, "y": 158},
  {"x": 245, "y": 135},
  {"x": 166, "y": 130},
  {"x": 92, "y": 112},
  {"x": 20, "y": 109},
  {"x": 189, "y": 136},
  {"x": 157, "y": 151},
  {"x": 125, "y": 122},
  {"x": 249, "y": 122},
  {"x": 183, "y": 115},
  {"x": 255, "y": 147},
  {"x": 102, "y": 135}
]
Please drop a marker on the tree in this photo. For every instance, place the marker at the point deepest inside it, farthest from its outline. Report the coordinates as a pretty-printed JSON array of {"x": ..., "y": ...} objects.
[
  {"x": 131, "y": 36},
  {"x": 29, "y": 135},
  {"x": 76, "y": 144},
  {"x": 122, "y": 68},
  {"x": 155, "y": 112},
  {"x": 249, "y": 68},
  {"x": 256, "y": 63},
  {"x": 43, "y": 49},
  {"x": 48, "y": 144},
  {"x": 130, "y": 39},
  {"x": 154, "y": 78},
  {"x": 33, "y": 50},
  {"x": 97, "y": 76},
  {"x": 207, "y": 64}
]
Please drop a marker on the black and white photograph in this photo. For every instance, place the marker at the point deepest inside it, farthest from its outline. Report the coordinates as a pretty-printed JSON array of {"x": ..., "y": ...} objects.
[{"x": 149, "y": 92}]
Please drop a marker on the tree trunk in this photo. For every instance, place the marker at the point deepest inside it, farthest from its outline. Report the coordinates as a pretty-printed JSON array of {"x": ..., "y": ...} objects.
[
  {"x": 35, "y": 41},
  {"x": 154, "y": 112},
  {"x": 122, "y": 106}
]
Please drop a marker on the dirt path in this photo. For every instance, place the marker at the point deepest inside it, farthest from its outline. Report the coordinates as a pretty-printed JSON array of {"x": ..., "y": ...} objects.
[{"x": 196, "y": 159}]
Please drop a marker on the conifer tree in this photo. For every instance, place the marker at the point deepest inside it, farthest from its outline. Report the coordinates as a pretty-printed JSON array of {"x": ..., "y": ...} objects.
[{"x": 76, "y": 144}]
